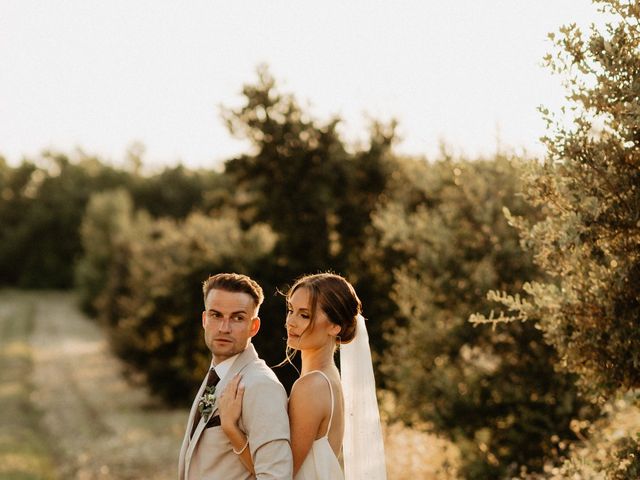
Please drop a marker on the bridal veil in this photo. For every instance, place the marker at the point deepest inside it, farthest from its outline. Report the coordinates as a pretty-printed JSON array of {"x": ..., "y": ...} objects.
[{"x": 363, "y": 449}]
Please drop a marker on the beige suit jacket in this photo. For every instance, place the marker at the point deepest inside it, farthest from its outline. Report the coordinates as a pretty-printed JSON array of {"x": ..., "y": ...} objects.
[{"x": 209, "y": 454}]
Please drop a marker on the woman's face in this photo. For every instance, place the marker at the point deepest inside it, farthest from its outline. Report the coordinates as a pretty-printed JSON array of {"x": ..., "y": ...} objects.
[{"x": 300, "y": 334}]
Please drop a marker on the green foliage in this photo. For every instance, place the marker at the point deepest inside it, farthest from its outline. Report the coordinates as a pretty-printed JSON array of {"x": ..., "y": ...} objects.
[
  {"x": 313, "y": 191},
  {"x": 152, "y": 301},
  {"x": 589, "y": 188},
  {"x": 41, "y": 206},
  {"x": 627, "y": 460},
  {"x": 493, "y": 392},
  {"x": 175, "y": 191},
  {"x": 42, "y": 203},
  {"x": 303, "y": 182},
  {"x": 107, "y": 219},
  {"x": 609, "y": 448},
  {"x": 588, "y": 239}
]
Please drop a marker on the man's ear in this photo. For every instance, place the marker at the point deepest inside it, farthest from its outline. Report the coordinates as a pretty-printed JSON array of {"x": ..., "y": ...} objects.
[
  {"x": 204, "y": 318},
  {"x": 255, "y": 326}
]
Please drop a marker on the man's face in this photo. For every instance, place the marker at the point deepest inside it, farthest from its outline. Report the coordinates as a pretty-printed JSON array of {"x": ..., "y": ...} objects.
[{"x": 229, "y": 321}]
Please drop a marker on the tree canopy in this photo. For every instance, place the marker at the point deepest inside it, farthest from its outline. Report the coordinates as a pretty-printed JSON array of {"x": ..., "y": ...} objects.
[{"x": 588, "y": 187}]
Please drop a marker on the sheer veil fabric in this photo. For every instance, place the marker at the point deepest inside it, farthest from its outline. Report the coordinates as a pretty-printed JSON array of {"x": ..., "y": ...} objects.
[{"x": 363, "y": 449}]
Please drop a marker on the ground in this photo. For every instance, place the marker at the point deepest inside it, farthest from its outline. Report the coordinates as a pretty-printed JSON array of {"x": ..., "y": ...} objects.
[
  {"x": 68, "y": 411},
  {"x": 92, "y": 422}
]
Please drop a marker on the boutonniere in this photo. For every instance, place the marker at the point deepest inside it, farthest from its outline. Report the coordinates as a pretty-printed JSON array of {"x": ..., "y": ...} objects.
[{"x": 207, "y": 402}]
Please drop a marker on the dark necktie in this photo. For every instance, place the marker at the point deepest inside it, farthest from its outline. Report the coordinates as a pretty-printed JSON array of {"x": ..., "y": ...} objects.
[{"x": 212, "y": 381}]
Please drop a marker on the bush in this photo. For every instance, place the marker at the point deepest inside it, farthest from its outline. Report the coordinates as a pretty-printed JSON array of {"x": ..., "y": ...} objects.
[
  {"x": 107, "y": 219},
  {"x": 41, "y": 208},
  {"x": 588, "y": 240},
  {"x": 609, "y": 448},
  {"x": 152, "y": 297},
  {"x": 495, "y": 393}
]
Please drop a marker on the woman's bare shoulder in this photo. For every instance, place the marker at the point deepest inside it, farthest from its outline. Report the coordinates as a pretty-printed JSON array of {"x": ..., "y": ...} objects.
[{"x": 310, "y": 389}]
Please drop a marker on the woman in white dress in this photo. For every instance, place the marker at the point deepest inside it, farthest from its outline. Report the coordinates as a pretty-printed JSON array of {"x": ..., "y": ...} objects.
[{"x": 323, "y": 311}]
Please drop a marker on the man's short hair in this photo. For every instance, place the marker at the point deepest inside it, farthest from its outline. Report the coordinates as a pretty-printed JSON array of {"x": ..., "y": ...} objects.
[{"x": 234, "y": 282}]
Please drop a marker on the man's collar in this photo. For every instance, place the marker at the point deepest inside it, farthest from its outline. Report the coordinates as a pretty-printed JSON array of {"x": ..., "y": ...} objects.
[
  {"x": 236, "y": 364},
  {"x": 223, "y": 367}
]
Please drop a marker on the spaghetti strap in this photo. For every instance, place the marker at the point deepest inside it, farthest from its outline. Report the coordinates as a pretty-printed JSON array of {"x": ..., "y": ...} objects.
[{"x": 330, "y": 391}]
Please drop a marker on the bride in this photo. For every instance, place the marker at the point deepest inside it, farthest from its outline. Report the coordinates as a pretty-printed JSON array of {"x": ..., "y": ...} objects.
[{"x": 323, "y": 312}]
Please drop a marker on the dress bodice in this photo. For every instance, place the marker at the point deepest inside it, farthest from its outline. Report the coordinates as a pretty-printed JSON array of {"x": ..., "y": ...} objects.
[{"x": 321, "y": 462}]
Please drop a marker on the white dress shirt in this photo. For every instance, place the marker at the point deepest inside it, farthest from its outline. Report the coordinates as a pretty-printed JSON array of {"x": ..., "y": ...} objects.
[{"x": 223, "y": 367}]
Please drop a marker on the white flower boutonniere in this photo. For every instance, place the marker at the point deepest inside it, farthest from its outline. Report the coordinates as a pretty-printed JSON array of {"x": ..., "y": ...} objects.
[{"x": 207, "y": 402}]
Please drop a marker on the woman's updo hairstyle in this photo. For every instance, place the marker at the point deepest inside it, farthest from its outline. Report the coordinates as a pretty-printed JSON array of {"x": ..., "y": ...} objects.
[{"x": 336, "y": 297}]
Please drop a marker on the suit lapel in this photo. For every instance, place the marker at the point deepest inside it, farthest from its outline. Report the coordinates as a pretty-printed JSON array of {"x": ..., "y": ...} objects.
[
  {"x": 245, "y": 358},
  {"x": 185, "y": 451},
  {"x": 194, "y": 407}
]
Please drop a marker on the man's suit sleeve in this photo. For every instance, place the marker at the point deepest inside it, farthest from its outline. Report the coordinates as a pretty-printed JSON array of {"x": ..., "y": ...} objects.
[{"x": 265, "y": 418}]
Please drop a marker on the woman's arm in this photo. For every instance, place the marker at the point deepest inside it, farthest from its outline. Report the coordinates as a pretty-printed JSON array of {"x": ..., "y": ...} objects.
[
  {"x": 230, "y": 408},
  {"x": 307, "y": 409}
]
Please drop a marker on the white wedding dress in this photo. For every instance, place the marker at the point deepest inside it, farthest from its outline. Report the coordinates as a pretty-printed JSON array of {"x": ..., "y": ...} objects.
[{"x": 321, "y": 462}]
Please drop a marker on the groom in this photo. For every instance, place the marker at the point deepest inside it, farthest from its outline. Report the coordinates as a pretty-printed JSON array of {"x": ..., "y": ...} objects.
[{"x": 230, "y": 320}]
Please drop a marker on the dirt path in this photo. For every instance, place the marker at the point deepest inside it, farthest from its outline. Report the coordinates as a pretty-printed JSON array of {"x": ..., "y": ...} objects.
[
  {"x": 105, "y": 427},
  {"x": 25, "y": 449}
]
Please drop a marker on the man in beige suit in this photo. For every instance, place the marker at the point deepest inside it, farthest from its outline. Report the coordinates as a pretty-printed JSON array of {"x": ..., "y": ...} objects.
[{"x": 230, "y": 320}]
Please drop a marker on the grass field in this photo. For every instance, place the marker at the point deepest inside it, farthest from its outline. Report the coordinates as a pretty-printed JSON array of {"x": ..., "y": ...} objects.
[{"x": 68, "y": 412}]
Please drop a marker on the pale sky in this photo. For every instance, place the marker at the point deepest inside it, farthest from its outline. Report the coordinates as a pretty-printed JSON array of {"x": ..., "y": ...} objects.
[{"x": 100, "y": 75}]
